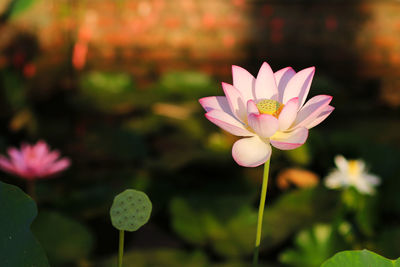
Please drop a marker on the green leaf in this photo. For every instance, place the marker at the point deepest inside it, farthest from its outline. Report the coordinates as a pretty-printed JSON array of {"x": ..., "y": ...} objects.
[
  {"x": 64, "y": 239},
  {"x": 359, "y": 258},
  {"x": 18, "y": 246},
  {"x": 130, "y": 210}
]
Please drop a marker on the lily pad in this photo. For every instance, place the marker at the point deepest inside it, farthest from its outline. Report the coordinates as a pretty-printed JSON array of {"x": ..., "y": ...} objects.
[
  {"x": 360, "y": 258},
  {"x": 18, "y": 246}
]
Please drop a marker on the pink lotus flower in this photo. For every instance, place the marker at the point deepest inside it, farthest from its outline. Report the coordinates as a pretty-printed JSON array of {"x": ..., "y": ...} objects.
[
  {"x": 33, "y": 162},
  {"x": 267, "y": 110}
]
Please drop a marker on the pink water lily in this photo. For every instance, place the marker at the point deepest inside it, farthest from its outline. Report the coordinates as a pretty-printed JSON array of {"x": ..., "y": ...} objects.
[
  {"x": 267, "y": 110},
  {"x": 33, "y": 161}
]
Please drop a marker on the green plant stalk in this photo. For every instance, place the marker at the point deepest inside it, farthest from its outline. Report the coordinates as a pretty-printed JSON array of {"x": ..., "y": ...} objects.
[
  {"x": 121, "y": 247},
  {"x": 261, "y": 212}
]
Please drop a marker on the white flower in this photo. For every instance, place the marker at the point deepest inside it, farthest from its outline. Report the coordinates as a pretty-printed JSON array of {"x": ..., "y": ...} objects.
[{"x": 352, "y": 173}]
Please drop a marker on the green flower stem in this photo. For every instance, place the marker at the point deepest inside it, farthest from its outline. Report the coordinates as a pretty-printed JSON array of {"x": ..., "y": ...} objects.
[
  {"x": 121, "y": 248},
  {"x": 261, "y": 212}
]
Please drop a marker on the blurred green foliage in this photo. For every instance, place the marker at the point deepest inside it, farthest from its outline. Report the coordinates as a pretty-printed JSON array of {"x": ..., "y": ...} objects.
[
  {"x": 159, "y": 257},
  {"x": 119, "y": 144},
  {"x": 14, "y": 90},
  {"x": 184, "y": 85},
  {"x": 227, "y": 222},
  {"x": 296, "y": 210},
  {"x": 313, "y": 246},
  {"x": 19, "y": 6},
  {"x": 224, "y": 222},
  {"x": 300, "y": 156},
  {"x": 108, "y": 92},
  {"x": 65, "y": 240}
]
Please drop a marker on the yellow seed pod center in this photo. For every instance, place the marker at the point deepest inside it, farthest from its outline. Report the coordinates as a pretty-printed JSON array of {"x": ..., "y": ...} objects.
[{"x": 269, "y": 106}]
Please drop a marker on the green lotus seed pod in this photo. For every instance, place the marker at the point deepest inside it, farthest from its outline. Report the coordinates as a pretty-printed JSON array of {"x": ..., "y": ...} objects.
[{"x": 130, "y": 210}]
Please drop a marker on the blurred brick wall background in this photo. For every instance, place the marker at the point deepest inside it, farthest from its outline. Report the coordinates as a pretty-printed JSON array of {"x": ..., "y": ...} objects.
[{"x": 344, "y": 38}]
